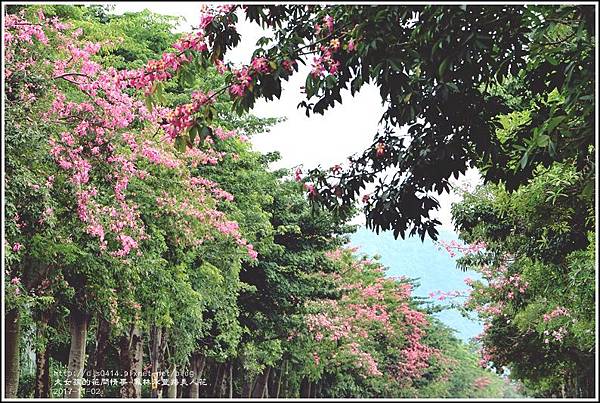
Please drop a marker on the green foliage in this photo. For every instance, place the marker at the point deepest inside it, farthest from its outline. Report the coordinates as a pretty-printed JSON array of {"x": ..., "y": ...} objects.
[
  {"x": 542, "y": 232},
  {"x": 467, "y": 105},
  {"x": 448, "y": 74}
]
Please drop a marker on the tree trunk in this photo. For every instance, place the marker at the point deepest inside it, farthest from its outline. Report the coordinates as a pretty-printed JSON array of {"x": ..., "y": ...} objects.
[
  {"x": 270, "y": 386},
  {"x": 217, "y": 387},
  {"x": 79, "y": 322},
  {"x": 231, "y": 379},
  {"x": 155, "y": 340},
  {"x": 12, "y": 336},
  {"x": 261, "y": 384},
  {"x": 42, "y": 365},
  {"x": 305, "y": 388},
  {"x": 138, "y": 361},
  {"x": 285, "y": 391},
  {"x": 197, "y": 364},
  {"x": 126, "y": 359},
  {"x": 98, "y": 356},
  {"x": 172, "y": 390},
  {"x": 283, "y": 364},
  {"x": 42, "y": 374},
  {"x": 248, "y": 387}
]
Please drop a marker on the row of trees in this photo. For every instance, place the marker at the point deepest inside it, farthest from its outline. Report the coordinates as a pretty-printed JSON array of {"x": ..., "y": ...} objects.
[
  {"x": 506, "y": 89},
  {"x": 146, "y": 240}
]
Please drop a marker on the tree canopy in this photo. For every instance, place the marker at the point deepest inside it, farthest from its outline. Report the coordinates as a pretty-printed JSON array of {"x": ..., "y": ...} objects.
[{"x": 147, "y": 238}]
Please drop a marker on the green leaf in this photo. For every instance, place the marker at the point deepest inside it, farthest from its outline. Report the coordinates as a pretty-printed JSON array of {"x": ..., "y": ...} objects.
[
  {"x": 180, "y": 143},
  {"x": 555, "y": 121},
  {"x": 148, "y": 100},
  {"x": 524, "y": 160},
  {"x": 330, "y": 81},
  {"x": 551, "y": 59},
  {"x": 193, "y": 133},
  {"x": 394, "y": 65},
  {"x": 442, "y": 67}
]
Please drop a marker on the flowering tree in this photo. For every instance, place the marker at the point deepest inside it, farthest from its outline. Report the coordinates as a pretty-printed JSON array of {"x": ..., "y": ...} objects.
[
  {"x": 99, "y": 163},
  {"x": 371, "y": 339},
  {"x": 446, "y": 73},
  {"x": 536, "y": 296},
  {"x": 142, "y": 215}
]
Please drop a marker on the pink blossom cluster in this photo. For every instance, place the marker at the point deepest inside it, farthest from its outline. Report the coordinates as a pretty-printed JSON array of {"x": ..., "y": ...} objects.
[
  {"x": 164, "y": 68},
  {"x": 376, "y": 312},
  {"x": 260, "y": 65},
  {"x": 18, "y": 29},
  {"x": 213, "y": 218},
  {"x": 442, "y": 295},
  {"x": 453, "y": 246},
  {"x": 415, "y": 355},
  {"x": 225, "y": 134},
  {"x": 190, "y": 41},
  {"x": 194, "y": 156},
  {"x": 16, "y": 283},
  {"x": 325, "y": 62},
  {"x": 373, "y": 291},
  {"x": 241, "y": 82},
  {"x": 289, "y": 65},
  {"x": 558, "y": 334},
  {"x": 182, "y": 117},
  {"x": 91, "y": 146},
  {"x": 503, "y": 284},
  {"x": 213, "y": 186},
  {"x": 334, "y": 255},
  {"x": 209, "y": 13},
  {"x": 298, "y": 174},
  {"x": 338, "y": 327},
  {"x": 157, "y": 156},
  {"x": 361, "y": 313},
  {"x": 364, "y": 360},
  {"x": 487, "y": 355},
  {"x": 555, "y": 313}
]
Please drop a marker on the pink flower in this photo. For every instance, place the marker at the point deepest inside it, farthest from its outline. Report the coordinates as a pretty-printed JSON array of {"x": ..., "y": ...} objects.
[
  {"x": 288, "y": 65},
  {"x": 334, "y": 67},
  {"x": 17, "y": 247},
  {"x": 379, "y": 149},
  {"x": 328, "y": 20},
  {"x": 251, "y": 252},
  {"x": 311, "y": 189},
  {"x": 298, "y": 175},
  {"x": 351, "y": 45},
  {"x": 334, "y": 44},
  {"x": 261, "y": 65},
  {"x": 318, "y": 68},
  {"x": 236, "y": 90},
  {"x": 205, "y": 20},
  {"x": 221, "y": 67}
]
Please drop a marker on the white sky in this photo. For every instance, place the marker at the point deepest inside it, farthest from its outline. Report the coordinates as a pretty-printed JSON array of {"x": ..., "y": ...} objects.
[{"x": 319, "y": 139}]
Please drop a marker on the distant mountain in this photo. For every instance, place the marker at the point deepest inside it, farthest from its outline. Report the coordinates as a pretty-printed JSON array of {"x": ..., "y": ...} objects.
[{"x": 434, "y": 269}]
